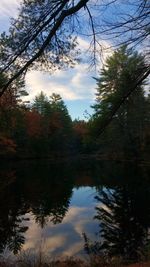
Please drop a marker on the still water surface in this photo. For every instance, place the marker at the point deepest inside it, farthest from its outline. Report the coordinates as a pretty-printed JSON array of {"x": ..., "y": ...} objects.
[{"x": 56, "y": 207}]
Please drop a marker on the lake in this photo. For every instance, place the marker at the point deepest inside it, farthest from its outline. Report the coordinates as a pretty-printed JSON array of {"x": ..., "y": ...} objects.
[{"x": 74, "y": 208}]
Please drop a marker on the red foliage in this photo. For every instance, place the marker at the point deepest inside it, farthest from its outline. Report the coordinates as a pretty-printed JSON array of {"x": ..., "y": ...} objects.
[
  {"x": 8, "y": 100},
  {"x": 7, "y": 146},
  {"x": 33, "y": 123}
]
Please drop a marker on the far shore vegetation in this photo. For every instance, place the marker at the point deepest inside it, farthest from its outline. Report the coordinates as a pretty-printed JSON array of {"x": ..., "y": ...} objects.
[
  {"x": 93, "y": 261},
  {"x": 117, "y": 130}
]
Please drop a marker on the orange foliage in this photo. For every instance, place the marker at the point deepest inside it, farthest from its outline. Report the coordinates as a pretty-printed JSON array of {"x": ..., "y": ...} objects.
[
  {"x": 33, "y": 123},
  {"x": 80, "y": 128}
]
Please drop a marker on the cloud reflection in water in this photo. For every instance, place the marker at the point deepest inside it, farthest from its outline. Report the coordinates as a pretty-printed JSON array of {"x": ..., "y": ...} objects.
[{"x": 65, "y": 239}]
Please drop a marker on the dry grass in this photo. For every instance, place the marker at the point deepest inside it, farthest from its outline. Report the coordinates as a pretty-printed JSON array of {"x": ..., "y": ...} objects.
[{"x": 25, "y": 261}]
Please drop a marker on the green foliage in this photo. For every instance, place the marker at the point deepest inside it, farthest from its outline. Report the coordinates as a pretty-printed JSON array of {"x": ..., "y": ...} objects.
[
  {"x": 28, "y": 32},
  {"x": 45, "y": 128},
  {"x": 40, "y": 131},
  {"x": 125, "y": 134},
  {"x": 40, "y": 103},
  {"x": 117, "y": 78},
  {"x": 56, "y": 125}
]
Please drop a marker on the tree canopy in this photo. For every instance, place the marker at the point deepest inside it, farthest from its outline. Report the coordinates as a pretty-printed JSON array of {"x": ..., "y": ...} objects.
[
  {"x": 127, "y": 131},
  {"x": 44, "y": 127},
  {"x": 44, "y": 34}
]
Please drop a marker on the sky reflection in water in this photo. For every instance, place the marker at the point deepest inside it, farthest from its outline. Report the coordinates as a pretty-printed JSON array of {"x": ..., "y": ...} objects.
[
  {"x": 47, "y": 207},
  {"x": 65, "y": 239}
]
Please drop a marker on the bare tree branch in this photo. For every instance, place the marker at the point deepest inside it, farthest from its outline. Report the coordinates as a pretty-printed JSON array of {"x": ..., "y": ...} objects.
[
  {"x": 20, "y": 51},
  {"x": 63, "y": 15}
]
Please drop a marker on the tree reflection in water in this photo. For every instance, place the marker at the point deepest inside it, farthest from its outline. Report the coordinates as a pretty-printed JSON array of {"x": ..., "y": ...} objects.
[
  {"x": 12, "y": 210},
  {"x": 42, "y": 192},
  {"x": 124, "y": 217}
]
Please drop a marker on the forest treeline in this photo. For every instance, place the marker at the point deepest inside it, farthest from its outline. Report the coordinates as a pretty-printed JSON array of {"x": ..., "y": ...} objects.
[{"x": 44, "y": 127}]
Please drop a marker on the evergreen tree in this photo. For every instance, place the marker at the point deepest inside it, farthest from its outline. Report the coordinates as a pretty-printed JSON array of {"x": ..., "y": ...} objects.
[{"x": 125, "y": 133}]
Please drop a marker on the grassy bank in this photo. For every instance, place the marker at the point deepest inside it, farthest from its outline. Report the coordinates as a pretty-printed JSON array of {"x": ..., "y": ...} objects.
[{"x": 69, "y": 262}]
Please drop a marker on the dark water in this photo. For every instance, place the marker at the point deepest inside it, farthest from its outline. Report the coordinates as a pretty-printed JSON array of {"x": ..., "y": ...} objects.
[{"x": 75, "y": 207}]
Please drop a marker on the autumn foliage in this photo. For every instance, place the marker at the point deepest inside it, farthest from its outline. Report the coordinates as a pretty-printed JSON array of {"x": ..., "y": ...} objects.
[
  {"x": 7, "y": 146},
  {"x": 33, "y": 123},
  {"x": 41, "y": 129}
]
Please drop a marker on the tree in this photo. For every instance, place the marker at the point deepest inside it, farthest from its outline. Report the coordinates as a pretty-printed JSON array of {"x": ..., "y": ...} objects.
[
  {"x": 80, "y": 130},
  {"x": 45, "y": 33},
  {"x": 60, "y": 110},
  {"x": 60, "y": 124},
  {"x": 48, "y": 125},
  {"x": 39, "y": 130},
  {"x": 129, "y": 122},
  {"x": 40, "y": 41},
  {"x": 11, "y": 116},
  {"x": 33, "y": 124},
  {"x": 128, "y": 23},
  {"x": 7, "y": 146},
  {"x": 40, "y": 103}
]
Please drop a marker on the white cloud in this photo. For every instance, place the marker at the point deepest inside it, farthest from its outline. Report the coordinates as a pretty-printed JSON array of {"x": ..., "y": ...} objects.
[
  {"x": 9, "y": 8},
  {"x": 73, "y": 84},
  {"x": 74, "y": 249},
  {"x": 74, "y": 214},
  {"x": 84, "y": 44},
  {"x": 37, "y": 81},
  {"x": 55, "y": 242},
  {"x": 64, "y": 239}
]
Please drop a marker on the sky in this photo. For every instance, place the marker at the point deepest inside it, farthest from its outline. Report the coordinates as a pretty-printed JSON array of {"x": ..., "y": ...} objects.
[{"x": 76, "y": 86}]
